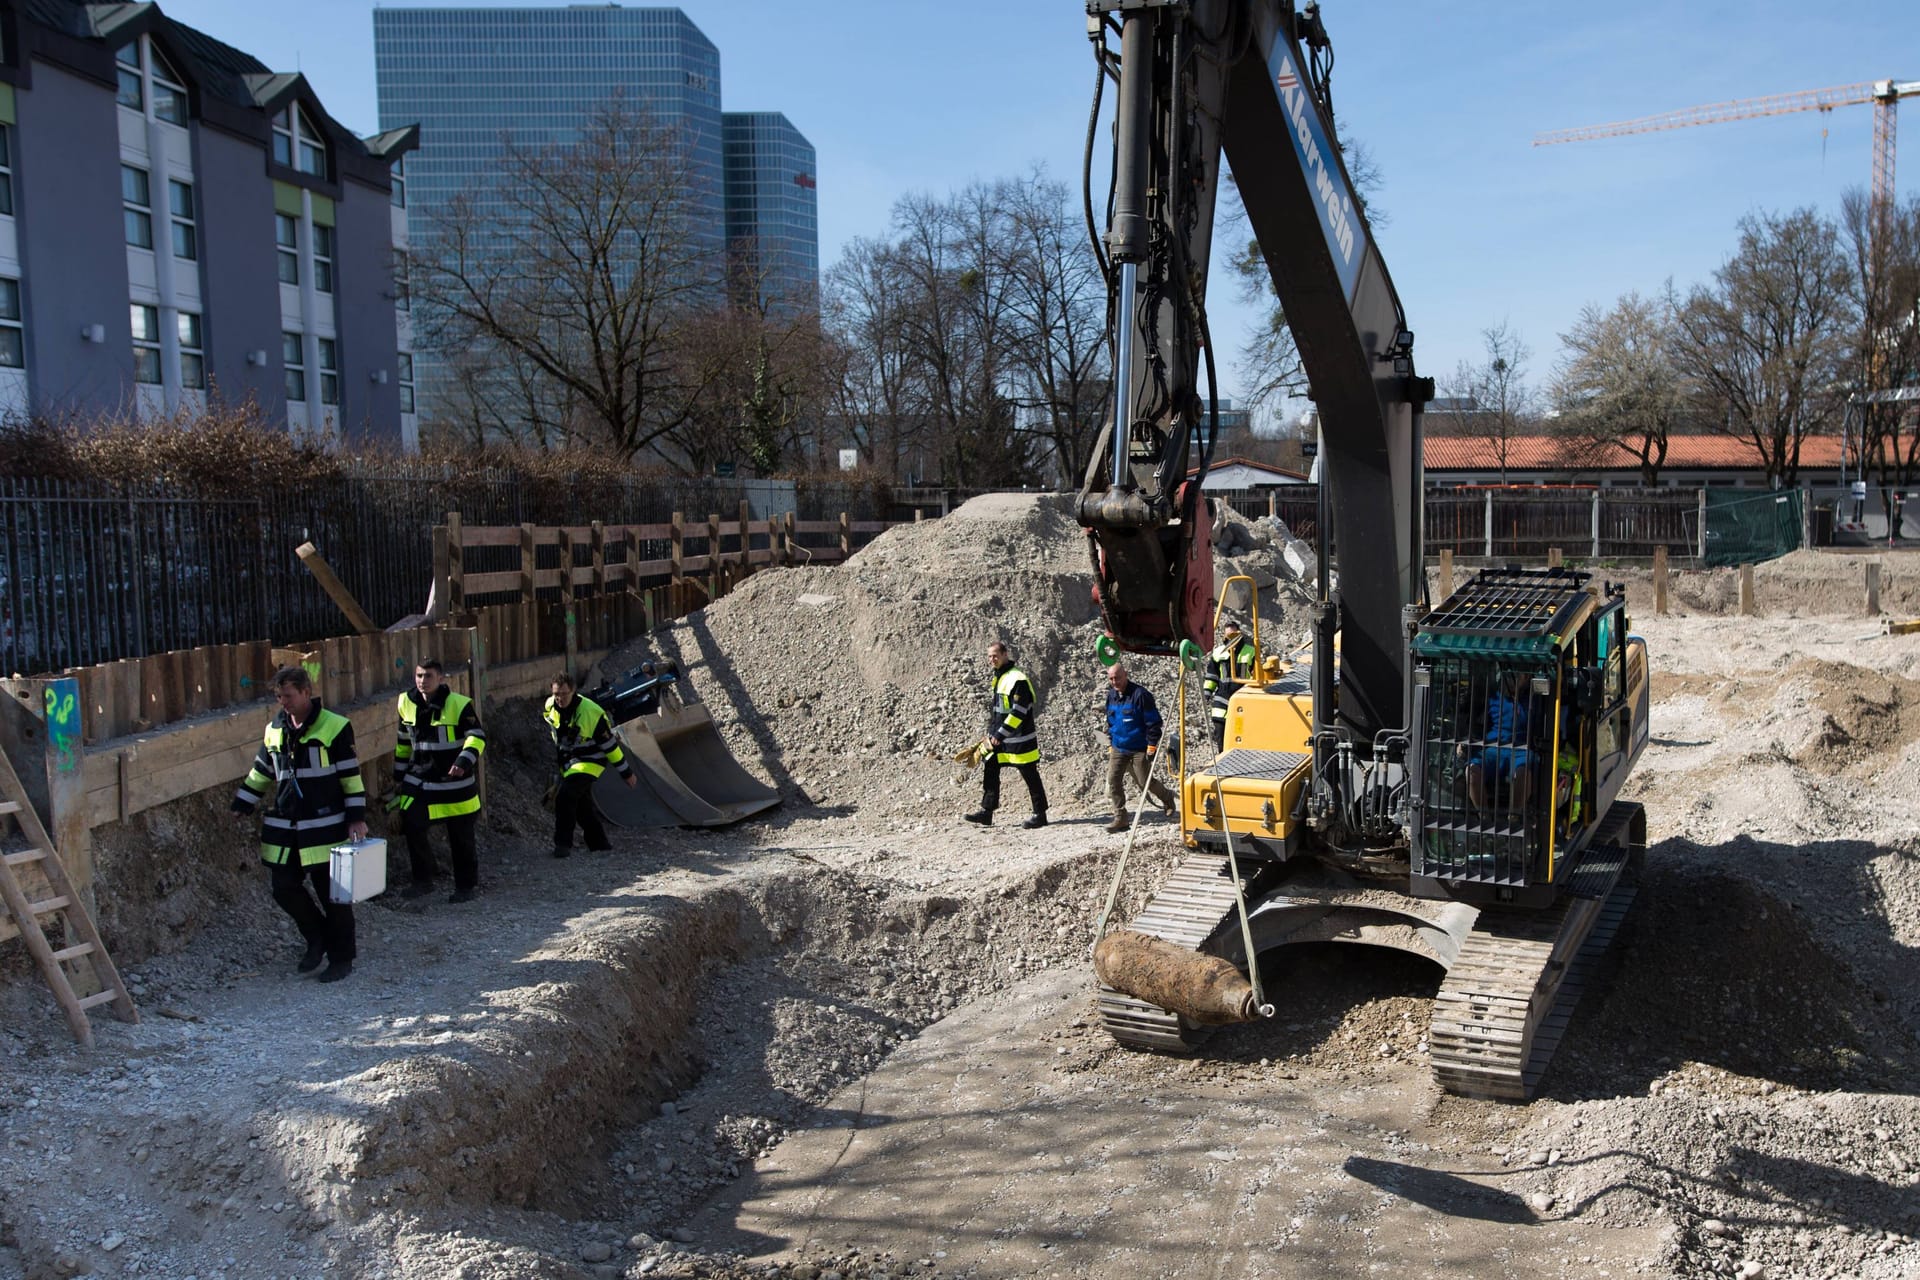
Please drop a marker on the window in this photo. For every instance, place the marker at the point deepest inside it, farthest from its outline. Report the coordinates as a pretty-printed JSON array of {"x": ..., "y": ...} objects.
[
  {"x": 13, "y": 348},
  {"x": 297, "y": 143},
  {"x": 146, "y": 343},
  {"x": 193, "y": 361},
  {"x": 127, "y": 67},
  {"x": 6, "y": 169},
  {"x": 180, "y": 199},
  {"x": 329, "y": 373},
  {"x": 323, "y": 258},
  {"x": 296, "y": 362},
  {"x": 400, "y": 183},
  {"x": 169, "y": 87},
  {"x": 138, "y": 206},
  {"x": 406, "y": 383},
  {"x": 286, "y": 234}
]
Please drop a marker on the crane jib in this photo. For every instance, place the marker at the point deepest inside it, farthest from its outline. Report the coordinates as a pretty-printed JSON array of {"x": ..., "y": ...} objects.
[{"x": 1332, "y": 201}]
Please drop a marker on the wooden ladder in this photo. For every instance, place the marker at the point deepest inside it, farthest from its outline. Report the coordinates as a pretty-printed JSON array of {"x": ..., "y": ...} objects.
[{"x": 26, "y": 914}]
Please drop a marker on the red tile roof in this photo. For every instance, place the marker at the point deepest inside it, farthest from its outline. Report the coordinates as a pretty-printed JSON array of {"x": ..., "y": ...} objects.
[{"x": 1558, "y": 453}]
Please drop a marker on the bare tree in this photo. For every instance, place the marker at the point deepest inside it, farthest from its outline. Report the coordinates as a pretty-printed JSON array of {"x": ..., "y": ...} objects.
[
  {"x": 877, "y": 396},
  {"x": 1491, "y": 398},
  {"x": 1618, "y": 384},
  {"x": 768, "y": 375},
  {"x": 583, "y": 265},
  {"x": 955, "y": 326},
  {"x": 1058, "y": 303},
  {"x": 1766, "y": 341},
  {"x": 1883, "y": 258}
]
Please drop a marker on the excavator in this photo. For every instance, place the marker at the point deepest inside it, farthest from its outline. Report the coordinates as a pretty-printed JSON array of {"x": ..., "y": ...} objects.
[{"x": 1440, "y": 778}]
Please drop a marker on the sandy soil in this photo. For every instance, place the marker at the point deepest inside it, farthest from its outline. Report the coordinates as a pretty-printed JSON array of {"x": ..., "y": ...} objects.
[{"x": 858, "y": 1037}]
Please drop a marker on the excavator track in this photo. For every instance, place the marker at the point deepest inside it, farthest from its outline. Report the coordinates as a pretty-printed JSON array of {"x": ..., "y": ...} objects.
[
  {"x": 1506, "y": 1001},
  {"x": 1195, "y": 901}
]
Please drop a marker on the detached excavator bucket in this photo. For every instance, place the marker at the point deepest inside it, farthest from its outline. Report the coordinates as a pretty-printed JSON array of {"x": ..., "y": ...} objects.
[{"x": 688, "y": 778}]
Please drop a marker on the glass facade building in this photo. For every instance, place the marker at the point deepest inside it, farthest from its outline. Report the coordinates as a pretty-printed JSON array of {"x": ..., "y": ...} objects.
[
  {"x": 773, "y": 213},
  {"x": 474, "y": 78}
]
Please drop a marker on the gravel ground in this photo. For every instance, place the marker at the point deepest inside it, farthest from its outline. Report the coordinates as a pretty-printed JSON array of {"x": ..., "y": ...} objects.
[{"x": 580, "y": 1074}]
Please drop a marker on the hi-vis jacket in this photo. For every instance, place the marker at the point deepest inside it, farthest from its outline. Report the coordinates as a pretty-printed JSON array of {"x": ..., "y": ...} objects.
[
  {"x": 583, "y": 739},
  {"x": 1010, "y": 716},
  {"x": 436, "y": 734},
  {"x": 315, "y": 779},
  {"x": 1228, "y": 667}
]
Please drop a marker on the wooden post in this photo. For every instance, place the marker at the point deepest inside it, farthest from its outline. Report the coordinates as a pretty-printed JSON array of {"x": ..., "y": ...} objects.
[
  {"x": 746, "y": 538},
  {"x": 713, "y": 556},
  {"x": 1660, "y": 579},
  {"x": 1446, "y": 572},
  {"x": 599, "y": 552},
  {"x": 773, "y": 541},
  {"x": 1553, "y": 558},
  {"x": 438, "y": 607},
  {"x": 1700, "y": 526},
  {"x": 67, "y": 787},
  {"x": 1873, "y": 588},
  {"x": 846, "y": 535},
  {"x": 1273, "y": 505},
  {"x": 633, "y": 560},
  {"x": 676, "y": 554},
  {"x": 787, "y": 541},
  {"x": 336, "y": 590},
  {"x": 567, "y": 614},
  {"x": 1489, "y": 551},
  {"x": 456, "y": 565},
  {"x": 529, "y": 564},
  {"x": 477, "y": 688},
  {"x": 918, "y": 515},
  {"x": 1747, "y": 609},
  {"x": 1596, "y": 523}
]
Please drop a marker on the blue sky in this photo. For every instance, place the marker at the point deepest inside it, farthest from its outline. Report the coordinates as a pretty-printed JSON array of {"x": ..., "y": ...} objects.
[{"x": 912, "y": 95}]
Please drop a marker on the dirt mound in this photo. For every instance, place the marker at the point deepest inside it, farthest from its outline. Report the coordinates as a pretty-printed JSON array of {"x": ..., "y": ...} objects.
[{"x": 854, "y": 685}]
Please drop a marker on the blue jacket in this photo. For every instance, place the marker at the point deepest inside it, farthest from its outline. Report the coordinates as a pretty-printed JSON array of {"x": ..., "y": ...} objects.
[{"x": 1133, "y": 721}]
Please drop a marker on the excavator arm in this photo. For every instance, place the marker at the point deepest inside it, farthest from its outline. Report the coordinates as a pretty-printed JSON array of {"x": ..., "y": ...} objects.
[{"x": 1247, "y": 78}]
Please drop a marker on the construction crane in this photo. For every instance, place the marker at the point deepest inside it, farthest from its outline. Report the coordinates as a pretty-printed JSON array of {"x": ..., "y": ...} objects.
[{"x": 1885, "y": 96}]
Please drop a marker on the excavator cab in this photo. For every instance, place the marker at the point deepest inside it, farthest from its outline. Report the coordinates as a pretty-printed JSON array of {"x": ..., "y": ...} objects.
[{"x": 1526, "y": 723}]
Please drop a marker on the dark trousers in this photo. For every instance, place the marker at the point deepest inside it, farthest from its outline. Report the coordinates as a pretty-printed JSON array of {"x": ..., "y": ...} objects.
[
  {"x": 460, "y": 828},
  {"x": 1029, "y": 773},
  {"x": 573, "y": 803},
  {"x": 326, "y": 922},
  {"x": 1219, "y": 724}
]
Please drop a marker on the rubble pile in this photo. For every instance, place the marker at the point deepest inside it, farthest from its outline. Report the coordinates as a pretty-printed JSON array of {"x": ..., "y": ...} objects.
[{"x": 855, "y": 684}]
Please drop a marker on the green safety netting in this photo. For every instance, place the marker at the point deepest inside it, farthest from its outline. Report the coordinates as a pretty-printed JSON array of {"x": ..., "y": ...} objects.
[{"x": 1744, "y": 527}]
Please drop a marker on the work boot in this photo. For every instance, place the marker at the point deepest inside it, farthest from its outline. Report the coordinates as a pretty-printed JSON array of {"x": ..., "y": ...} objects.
[
  {"x": 1034, "y": 823},
  {"x": 462, "y": 895},
  {"x": 316, "y": 952},
  {"x": 1118, "y": 824},
  {"x": 562, "y": 850},
  {"x": 982, "y": 816},
  {"x": 336, "y": 970},
  {"x": 418, "y": 889},
  {"x": 1169, "y": 808},
  {"x": 599, "y": 848}
]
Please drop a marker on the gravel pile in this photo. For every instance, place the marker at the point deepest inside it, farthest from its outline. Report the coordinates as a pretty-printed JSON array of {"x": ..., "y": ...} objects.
[{"x": 854, "y": 685}]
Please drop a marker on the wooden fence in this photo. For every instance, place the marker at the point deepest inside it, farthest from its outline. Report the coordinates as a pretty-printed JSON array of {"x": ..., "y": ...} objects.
[{"x": 1523, "y": 523}]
